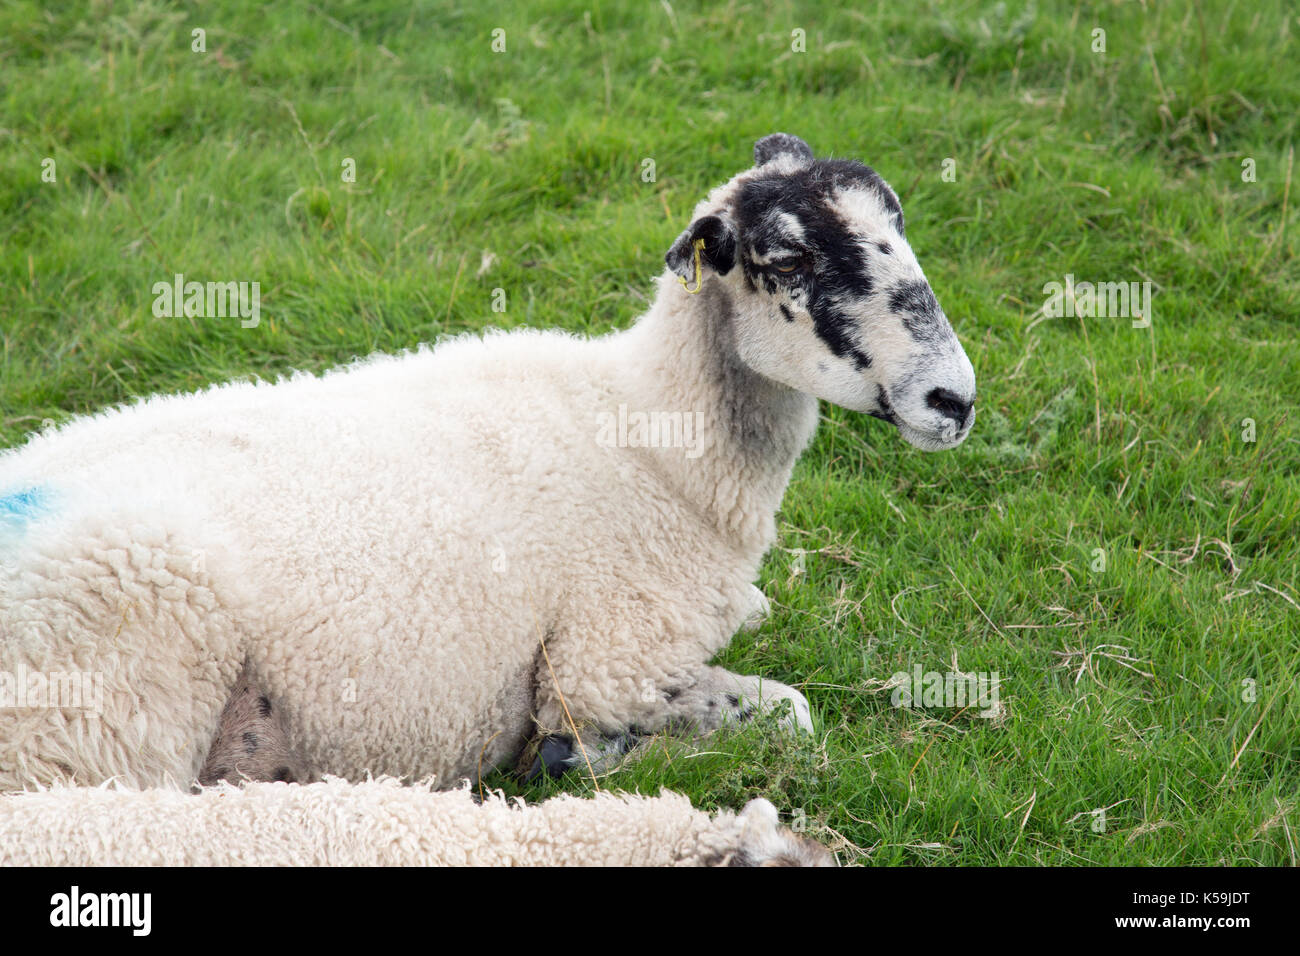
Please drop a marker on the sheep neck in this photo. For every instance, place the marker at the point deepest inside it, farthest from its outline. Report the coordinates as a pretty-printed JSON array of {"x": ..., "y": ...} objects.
[{"x": 681, "y": 356}]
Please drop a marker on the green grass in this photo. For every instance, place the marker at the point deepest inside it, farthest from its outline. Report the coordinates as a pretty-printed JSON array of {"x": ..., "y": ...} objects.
[{"x": 1123, "y": 688}]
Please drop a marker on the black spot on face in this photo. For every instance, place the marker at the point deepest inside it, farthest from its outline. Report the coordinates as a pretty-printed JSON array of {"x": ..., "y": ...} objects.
[
  {"x": 885, "y": 248},
  {"x": 785, "y": 311},
  {"x": 916, "y": 303},
  {"x": 264, "y": 706},
  {"x": 733, "y": 700},
  {"x": 250, "y": 743},
  {"x": 886, "y": 411},
  {"x": 284, "y": 775}
]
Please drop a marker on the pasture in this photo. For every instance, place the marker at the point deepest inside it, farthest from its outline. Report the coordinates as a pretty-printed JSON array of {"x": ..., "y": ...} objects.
[{"x": 1117, "y": 539}]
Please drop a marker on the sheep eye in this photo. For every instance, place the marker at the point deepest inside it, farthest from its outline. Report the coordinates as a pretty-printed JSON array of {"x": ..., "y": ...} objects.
[{"x": 786, "y": 265}]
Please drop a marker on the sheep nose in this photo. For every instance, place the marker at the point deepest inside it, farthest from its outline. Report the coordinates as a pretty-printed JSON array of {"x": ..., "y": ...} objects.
[{"x": 950, "y": 404}]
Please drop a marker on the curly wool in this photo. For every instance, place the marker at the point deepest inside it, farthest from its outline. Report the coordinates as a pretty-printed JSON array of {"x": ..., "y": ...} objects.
[{"x": 382, "y": 823}]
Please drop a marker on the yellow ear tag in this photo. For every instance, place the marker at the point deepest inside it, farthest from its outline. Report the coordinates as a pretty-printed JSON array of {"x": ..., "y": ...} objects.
[{"x": 699, "y": 279}]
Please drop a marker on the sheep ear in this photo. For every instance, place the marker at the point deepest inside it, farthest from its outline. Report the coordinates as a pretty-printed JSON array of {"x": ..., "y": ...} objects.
[
  {"x": 782, "y": 144},
  {"x": 719, "y": 252}
]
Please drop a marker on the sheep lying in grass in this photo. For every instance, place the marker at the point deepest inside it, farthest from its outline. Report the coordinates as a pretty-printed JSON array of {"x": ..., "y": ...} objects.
[
  {"x": 379, "y": 823},
  {"x": 423, "y": 560}
]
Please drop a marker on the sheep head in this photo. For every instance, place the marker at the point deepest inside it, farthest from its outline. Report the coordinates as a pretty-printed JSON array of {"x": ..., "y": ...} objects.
[{"x": 827, "y": 296}]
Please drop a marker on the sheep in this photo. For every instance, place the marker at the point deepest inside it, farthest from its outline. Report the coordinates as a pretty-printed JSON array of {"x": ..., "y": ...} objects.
[
  {"x": 427, "y": 561},
  {"x": 380, "y": 823}
]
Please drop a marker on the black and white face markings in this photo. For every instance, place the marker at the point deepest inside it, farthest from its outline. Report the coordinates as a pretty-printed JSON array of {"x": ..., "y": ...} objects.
[
  {"x": 796, "y": 243},
  {"x": 821, "y": 246},
  {"x": 825, "y": 294}
]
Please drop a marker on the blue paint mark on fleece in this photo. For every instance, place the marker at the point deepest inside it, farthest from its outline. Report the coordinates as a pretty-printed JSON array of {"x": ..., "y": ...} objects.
[
  {"x": 21, "y": 507},
  {"x": 22, "y": 503}
]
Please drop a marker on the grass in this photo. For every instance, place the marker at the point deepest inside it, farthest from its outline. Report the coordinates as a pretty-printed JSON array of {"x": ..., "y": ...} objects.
[{"x": 1161, "y": 687}]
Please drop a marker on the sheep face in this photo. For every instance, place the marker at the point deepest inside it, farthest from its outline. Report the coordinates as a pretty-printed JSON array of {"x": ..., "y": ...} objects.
[{"x": 826, "y": 294}]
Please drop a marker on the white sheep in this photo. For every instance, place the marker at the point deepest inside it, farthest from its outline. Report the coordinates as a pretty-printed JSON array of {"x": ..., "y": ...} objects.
[
  {"x": 425, "y": 559},
  {"x": 379, "y": 823}
]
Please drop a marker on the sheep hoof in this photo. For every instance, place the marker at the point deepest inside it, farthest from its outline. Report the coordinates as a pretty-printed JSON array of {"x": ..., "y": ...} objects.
[
  {"x": 557, "y": 754},
  {"x": 554, "y": 756}
]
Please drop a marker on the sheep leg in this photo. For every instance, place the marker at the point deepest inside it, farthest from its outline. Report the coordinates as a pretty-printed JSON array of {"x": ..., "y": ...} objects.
[
  {"x": 132, "y": 646},
  {"x": 717, "y": 698},
  {"x": 760, "y": 611}
]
